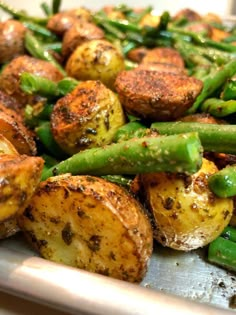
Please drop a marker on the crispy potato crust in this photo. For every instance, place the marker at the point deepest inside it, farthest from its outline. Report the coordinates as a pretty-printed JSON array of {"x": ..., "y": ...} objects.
[
  {"x": 87, "y": 117},
  {"x": 12, "y": 128},
  {"x": 156, "y": 95},
  {"x": 164, "y": 55},
  {"x": 89, "y": 223}
]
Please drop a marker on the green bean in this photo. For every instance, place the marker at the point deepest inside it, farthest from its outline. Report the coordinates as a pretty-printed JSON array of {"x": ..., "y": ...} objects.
[
  {"x": 46, "y": 9},
  {"x": 119, "y": 179},
  {"x": 178, "y": 153},
  {"x": 223, "y": 183},
  {"x": 43, "y": 131},
  {"x": 130, "y": 130},
  {"x": 20, "y": 15},
  {"x": 204, "y": 41},
  {"x": 35, "y": 115},
  {"x": 33, "y": 84},
  {"x": 214, "y": 137},
  {"x": 229, "y": 90},
  {"x": 229, "y": 233},
  {"x": 212, "y": 83},
  {"x": 66, "y": 85},
  {"x": 40, "y": 30},
  {"x": 218, "y": 107},
  {"x": 56, "y": 46},
  {"x": 56, "y": 6},
  {"x": 223, "y": 253},
  {"x": 35, "y": 48}
]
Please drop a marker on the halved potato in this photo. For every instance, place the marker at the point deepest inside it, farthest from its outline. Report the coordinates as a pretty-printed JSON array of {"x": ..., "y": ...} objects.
[
  {"x": 12, "y": 128},
  {"x": 96, "y": 59},
  {"x": 19, "y": 176},
  {"x": 87, "y": 117},
  {"x": 187, "y": 214},
  {"x": 89, "y": 223}
]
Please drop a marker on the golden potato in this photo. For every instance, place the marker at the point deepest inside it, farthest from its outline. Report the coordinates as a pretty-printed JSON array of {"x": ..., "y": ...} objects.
[
  {"x": 12, "y": 128},
  {"x": 19, "y": 174},
  {"x": 87, "y": 117},
  {"x": 96, "y": 59},
  {"x": 89, "y": 223},
  {"x": 187, "y": 214}
]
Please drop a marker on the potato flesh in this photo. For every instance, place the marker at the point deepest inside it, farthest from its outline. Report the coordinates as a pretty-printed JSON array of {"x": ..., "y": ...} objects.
[
  {"x": 89, "y": 223},
  {"x": 187, "y": 214},
  {"x": 19, "y": 176}
]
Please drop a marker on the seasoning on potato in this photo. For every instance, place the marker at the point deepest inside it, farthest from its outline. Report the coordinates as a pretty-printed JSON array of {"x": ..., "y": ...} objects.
[
  {"x": 87, "y": 117},
  {"x": 96, "y": 59},
  {"x": 187, "y": 214},
  {"x": 89, "y": 223}
]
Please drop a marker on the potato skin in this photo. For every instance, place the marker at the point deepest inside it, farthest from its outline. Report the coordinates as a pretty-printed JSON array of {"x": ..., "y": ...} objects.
[
  {"x": 12, "y": 34},
  {"x": 156, "y": 95},
  {"x": 10, "y": 76},
  {"x": 89, "y": 223},
  {"x": 87, "y": 117},
  {"x": 164, "y": 55},
  {"x": 79, "y": 33},
  {"x": 96, "y": 59},
  {"x": 12, "y": 128},
  {"x": 187, "y": 214},
  {"x": 20, "y": 174}
]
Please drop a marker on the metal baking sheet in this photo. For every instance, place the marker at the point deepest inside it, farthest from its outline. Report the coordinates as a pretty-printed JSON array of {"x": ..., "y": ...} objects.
[{"x": 176, "y": 283}]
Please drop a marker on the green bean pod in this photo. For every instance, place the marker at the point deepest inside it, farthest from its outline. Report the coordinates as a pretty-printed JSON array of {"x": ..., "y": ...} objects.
[
  {"x": 223, "y": 183},
  {"x": 223, "y": 253},
  {"x": 214, "y": 137},
  {"x": 178, "y": 153},
  {"x": 218, "y": 107}
]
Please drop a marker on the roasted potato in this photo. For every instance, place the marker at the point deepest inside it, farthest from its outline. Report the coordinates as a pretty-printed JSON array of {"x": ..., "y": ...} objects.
[
  {"x": 12, "y": 35},
  {"x": 20, "y": 174},
  {"x": 164, "y": 55},
  {"x": 96, "y": 59},
  {"x": 87, "y": 117},
  {"x": 61, "y": 22},
  {"x": 79, "y": 33},
  {"x": 12, "y": 128},
  {"x": 89, "y": 223},
  {"x": 156, "y": 95},
  {"x": 10, "y": 76},
  {"x": 9, "y": 226},
  {"x": 187, "y": 214}
]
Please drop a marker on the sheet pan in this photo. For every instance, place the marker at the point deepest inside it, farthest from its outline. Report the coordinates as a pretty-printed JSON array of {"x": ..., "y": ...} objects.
[{"x": 176, "y": 283}]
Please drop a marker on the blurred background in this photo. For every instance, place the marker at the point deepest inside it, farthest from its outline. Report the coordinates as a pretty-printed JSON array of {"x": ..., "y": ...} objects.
[{"x": 222, "y": 7}]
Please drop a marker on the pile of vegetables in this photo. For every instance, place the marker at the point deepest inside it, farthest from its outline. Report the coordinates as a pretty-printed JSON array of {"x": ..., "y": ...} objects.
[{"x": 117, "y": 129}]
